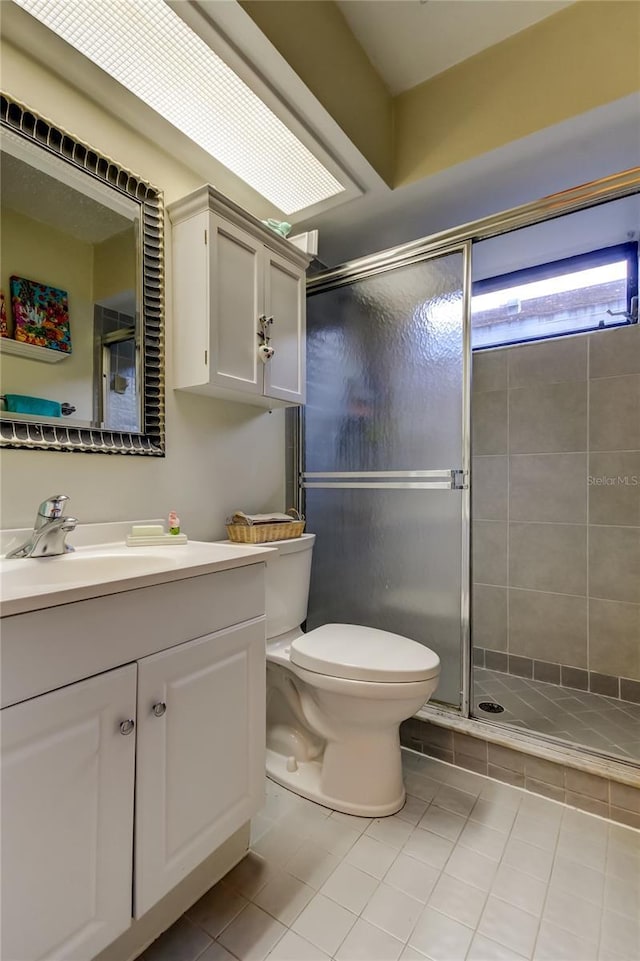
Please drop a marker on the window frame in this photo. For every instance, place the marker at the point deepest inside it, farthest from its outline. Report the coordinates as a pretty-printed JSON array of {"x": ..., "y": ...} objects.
[{"x": 628, "y": 251}]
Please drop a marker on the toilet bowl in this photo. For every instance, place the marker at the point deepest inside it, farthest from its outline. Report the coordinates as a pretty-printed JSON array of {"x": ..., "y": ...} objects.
[{"x": 336, "y": 697}]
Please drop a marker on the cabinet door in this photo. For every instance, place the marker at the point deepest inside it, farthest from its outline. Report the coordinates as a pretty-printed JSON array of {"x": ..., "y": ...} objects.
[
  {"x": 201, "y": 753},
  {"x": 191, "y": 286},
  {"x": 284, "y": 375},
  {"x": 67, "y": 819},
  {"x": 236, "y": 291}
]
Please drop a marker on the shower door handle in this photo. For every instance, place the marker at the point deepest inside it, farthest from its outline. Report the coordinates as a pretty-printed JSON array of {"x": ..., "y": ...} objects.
[
  {"x": 450, "y": 479},
  {"x": 459, "y": 480}
]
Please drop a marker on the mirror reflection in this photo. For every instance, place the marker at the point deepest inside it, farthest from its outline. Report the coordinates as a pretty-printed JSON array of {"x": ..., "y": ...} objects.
[{"x": 71, "y": 337}]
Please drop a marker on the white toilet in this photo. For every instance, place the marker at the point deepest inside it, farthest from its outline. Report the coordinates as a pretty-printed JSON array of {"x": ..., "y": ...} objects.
[{"x": 336, "y": 697}]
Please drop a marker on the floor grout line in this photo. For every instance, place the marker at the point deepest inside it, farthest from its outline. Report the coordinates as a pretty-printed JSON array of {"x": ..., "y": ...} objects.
[{"x": 584, "y": 842}]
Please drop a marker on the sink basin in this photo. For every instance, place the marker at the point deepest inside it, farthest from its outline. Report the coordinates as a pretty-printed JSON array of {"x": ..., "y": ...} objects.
[
  {"x": 42, "y": 574},
  {"x": 28, "y": 584}
]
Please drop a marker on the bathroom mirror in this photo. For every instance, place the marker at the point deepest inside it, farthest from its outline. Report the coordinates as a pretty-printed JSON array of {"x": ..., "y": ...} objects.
[{"x": 81, "y": 273}]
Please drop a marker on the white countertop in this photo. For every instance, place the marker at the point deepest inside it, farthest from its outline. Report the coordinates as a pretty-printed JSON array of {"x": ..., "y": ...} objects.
[{"x": 31, "y": 584}]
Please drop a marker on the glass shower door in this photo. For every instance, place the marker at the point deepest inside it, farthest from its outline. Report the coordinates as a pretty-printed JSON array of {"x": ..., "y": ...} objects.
[{"x": 385, "y": 455}]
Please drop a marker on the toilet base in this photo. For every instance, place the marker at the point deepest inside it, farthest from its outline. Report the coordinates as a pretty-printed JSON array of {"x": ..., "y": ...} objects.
[{"x": 305, "y": 781}]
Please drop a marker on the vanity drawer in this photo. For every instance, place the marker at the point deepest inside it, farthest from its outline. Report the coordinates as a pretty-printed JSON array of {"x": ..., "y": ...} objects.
[{"x": 44, "y": 650}]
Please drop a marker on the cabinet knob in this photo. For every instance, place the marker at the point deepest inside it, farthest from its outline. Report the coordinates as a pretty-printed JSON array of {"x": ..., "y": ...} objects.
[
  {"x": 159, "y": 708},
  {"x": 265, "y": 353},
  {"x": 126, "y": 727}
]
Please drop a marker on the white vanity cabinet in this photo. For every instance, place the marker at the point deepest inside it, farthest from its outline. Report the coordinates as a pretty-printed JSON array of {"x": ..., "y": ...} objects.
[
  {"x": 200, "y": 768},
  {"x": 132, "y": 750},
  {"x": 231, "y": 273},
  {"x": 67, "y": 818}
]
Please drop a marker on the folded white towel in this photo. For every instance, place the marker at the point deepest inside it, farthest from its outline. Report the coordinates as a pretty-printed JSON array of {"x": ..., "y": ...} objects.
[{"x": 250, "y": 519}]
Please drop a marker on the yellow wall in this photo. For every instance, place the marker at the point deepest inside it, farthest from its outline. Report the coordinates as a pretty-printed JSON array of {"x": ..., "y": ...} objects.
[
  {"x": 41, "y": 253},
  {"x": 221, "y": 455},
  {"x": 114, "y": 265},
  {"x": 315, "y": 40},
  {"x": 582, "y": 57}
]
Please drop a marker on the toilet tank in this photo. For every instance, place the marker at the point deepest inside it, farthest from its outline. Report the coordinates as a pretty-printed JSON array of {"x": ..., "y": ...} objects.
[{"x": 288, "y": 574}]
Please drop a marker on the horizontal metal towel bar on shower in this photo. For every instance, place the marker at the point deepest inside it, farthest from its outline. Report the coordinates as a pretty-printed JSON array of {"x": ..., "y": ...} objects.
[
  {"x": 450, "y": 479},
  {"x": 380, "y": 473}
]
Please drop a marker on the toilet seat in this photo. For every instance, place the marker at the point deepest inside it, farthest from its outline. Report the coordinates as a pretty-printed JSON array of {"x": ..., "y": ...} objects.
[{"x": 358, "y": 653}]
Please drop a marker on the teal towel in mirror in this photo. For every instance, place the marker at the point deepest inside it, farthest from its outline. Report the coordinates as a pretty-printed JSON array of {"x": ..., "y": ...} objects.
[{"x": 23, "y": 404}]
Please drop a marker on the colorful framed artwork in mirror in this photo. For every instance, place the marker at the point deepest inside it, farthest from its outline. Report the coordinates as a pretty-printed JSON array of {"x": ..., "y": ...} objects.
[{"x": 40, "y": 314}]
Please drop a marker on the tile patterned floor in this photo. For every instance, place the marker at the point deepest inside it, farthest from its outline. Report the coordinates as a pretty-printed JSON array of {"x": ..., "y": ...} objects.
[
  {"x": 469, "y": 869},
  {"x": 604, "y": 723}
]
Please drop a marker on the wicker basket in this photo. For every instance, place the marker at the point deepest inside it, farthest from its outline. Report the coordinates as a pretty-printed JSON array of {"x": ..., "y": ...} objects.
[{"x": 263, "y": 533}]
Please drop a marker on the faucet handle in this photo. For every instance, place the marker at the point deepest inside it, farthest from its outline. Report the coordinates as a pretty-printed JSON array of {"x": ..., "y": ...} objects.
[
  {"x": 68, "y": 524},
  {"x": 54, "y": 506}
]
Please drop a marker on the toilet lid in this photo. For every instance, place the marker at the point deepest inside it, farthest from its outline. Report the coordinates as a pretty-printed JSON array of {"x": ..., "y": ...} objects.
[{"x": 363, "y": 654}]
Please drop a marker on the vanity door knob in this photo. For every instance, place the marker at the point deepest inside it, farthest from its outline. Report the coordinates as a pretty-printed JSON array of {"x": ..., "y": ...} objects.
[
  {"x": 126, "y": 727},
  {"x": 159, "y": 708}
]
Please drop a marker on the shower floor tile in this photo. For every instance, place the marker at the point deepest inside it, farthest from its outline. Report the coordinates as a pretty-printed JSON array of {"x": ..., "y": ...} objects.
[
  {"x": 530, "y": 898},
  {"x": 592, "y": 720}
]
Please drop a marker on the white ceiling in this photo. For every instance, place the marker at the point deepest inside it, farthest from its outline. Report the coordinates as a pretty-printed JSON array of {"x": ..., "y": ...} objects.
[{"x": 408, "y": 41}]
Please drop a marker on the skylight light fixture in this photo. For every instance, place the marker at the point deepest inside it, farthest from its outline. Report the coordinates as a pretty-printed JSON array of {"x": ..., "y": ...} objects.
[{"x": 150, "y": 50}]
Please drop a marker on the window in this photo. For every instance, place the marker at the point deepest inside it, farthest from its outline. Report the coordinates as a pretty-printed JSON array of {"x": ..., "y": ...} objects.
[{"x": 592, "y": 290}]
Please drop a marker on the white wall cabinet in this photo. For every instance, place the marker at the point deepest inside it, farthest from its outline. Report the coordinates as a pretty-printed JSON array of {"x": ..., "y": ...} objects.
[
  {"x": 229, "y": 272},
  {"x": 67, "y": 819},
  {"x": 200, "y": 768}
]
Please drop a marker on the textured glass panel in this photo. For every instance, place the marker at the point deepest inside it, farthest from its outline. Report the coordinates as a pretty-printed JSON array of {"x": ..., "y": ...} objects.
[
  {"x": 391, "y": 560},
  {"x": 384, "y": 371},
  {"x": 384, "y": 393}
]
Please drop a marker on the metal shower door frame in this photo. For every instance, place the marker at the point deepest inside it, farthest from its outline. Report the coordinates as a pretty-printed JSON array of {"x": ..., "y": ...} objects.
[{"x": 455, "y": 478}]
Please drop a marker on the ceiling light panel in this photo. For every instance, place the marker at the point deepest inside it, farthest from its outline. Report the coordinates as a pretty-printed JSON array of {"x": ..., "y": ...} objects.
[{"x": 147, "y": 48}]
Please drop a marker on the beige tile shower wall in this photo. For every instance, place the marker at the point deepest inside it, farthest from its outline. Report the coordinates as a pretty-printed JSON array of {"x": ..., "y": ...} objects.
[{"x": 556, "y": 501}]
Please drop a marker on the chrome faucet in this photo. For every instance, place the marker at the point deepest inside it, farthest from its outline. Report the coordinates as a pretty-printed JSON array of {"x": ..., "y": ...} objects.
[{"x": 48, "y": 537}]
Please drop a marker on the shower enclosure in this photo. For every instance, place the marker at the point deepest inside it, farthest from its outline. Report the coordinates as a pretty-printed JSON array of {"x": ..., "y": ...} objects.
[
  {"x": 556, "y": 478},
  {"x": 385, "y": 475}
]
